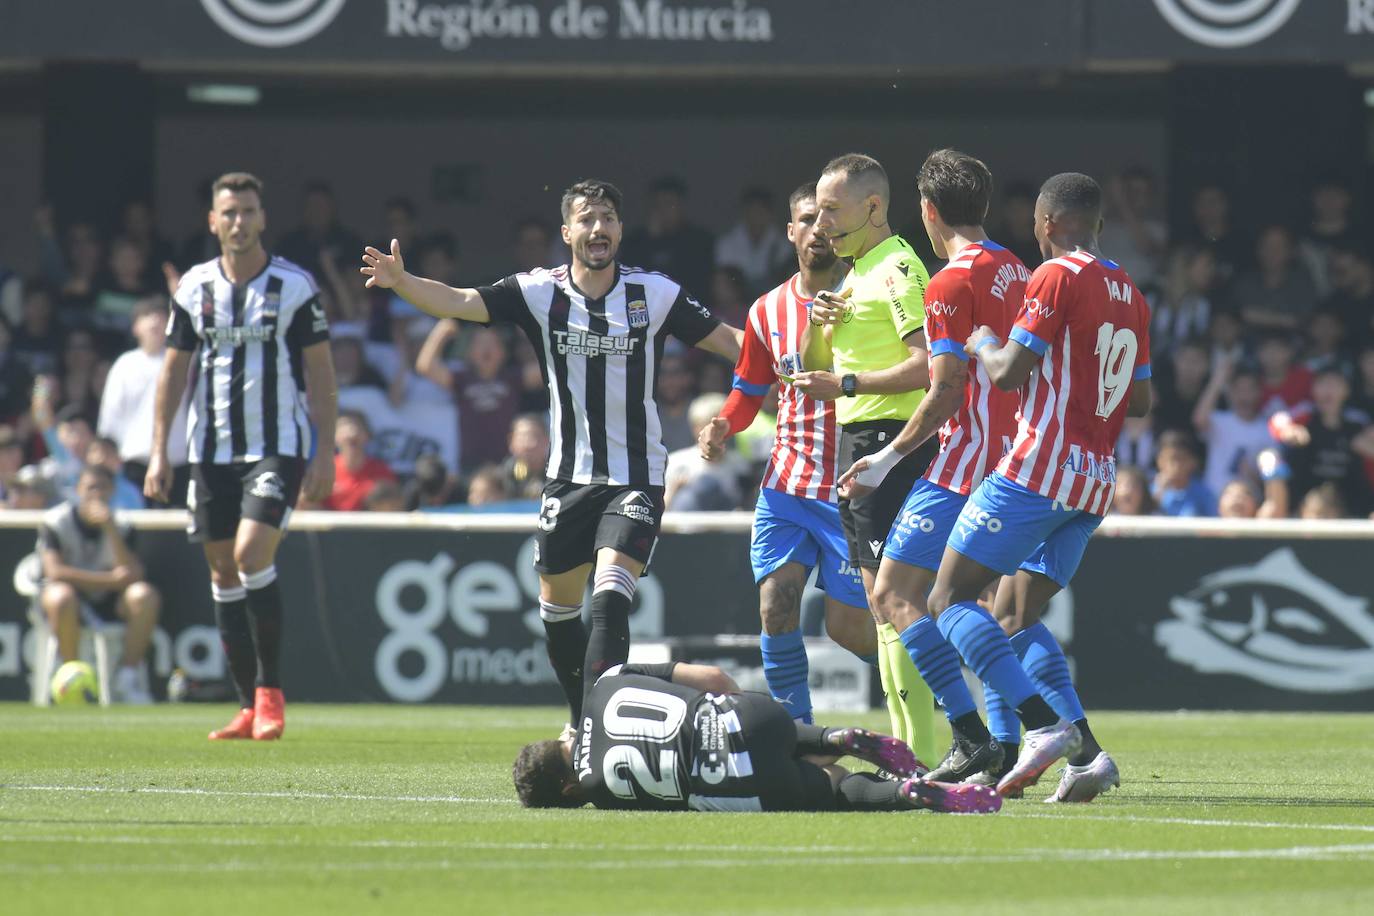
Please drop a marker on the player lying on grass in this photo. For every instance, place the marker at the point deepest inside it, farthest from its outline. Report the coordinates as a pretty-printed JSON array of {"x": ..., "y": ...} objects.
[{"x": 678, "y": 737}]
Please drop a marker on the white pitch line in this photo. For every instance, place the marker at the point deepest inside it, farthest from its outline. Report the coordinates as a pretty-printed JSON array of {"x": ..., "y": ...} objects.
[
  {"x": 1297, "y": 853},
  {"x": 1191, "y": 822},
  {"x": 324, "y": 796}
]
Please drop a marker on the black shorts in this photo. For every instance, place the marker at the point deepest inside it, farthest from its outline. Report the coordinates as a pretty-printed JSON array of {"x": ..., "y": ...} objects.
[
  {"x": 576, "y": 520},
  {"x": 867, "y": 520},
  {"x": 221, "y": 495},
  {"x": 780, "y": 779},
  {"x": 104, "y": 609}
]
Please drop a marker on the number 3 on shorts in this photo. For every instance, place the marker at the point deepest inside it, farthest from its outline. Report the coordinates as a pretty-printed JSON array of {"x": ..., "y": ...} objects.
[{"x": 548, "y": 513}]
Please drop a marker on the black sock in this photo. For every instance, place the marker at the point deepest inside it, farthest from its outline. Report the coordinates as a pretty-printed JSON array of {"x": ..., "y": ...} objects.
[
  {"x": 608, "y": 644},
  {"x": 869, "y": 792},
  {"x": 567, "y": 644},
  {"x": 1009, "y": 754},
  {"x": 1090, "y": 749},
  {"x": 264, "y": 611},
  {"x": 971, "y": 728},
  {"x": 1036, "y": 713},
  {"x": 814, "y": 739},
  {"x": 231, "y": 614}
]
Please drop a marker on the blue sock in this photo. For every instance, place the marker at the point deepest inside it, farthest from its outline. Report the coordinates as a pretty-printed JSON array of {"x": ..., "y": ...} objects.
[
  {"x": 1044, "y": 661},
  {"x": 939, "y": 666},
  {"x": 986, "y": 649},
  {"x": 786, "y": 670},
  {"x": 1002, "y": 719}
]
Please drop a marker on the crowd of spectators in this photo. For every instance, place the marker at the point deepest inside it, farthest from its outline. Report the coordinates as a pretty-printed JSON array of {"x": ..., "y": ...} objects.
[{"x": 1262, "y": 345}]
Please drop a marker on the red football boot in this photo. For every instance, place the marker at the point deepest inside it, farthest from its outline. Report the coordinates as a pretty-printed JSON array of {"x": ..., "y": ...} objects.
[
  {"x": 240, "y": 727},
  {"x": 269, "y": 714}
]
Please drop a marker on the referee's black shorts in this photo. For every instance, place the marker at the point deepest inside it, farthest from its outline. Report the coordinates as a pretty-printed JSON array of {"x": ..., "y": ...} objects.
[{"x": 868, "y": 519}]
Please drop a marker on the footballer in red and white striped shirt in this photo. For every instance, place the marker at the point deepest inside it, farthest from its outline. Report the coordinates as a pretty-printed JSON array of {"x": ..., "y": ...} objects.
[{"x": 796, "y": 519}]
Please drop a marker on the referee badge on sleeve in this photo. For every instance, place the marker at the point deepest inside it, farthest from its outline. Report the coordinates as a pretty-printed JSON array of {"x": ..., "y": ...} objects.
[{"x": 637, "y": 313}]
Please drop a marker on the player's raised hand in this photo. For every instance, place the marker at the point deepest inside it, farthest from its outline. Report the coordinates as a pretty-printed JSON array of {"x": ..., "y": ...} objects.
[
  {"x": 849, "y": 485},
  {"x": 830, "y": 308},
  {"x": 711, "y": 439},
  {"x": 383, "y": 270}
]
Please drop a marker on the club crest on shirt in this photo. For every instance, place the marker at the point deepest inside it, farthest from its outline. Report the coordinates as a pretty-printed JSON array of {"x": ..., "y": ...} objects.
[
  {"x": 268, "y": 485},
  {"x": 637, "y": 313}
]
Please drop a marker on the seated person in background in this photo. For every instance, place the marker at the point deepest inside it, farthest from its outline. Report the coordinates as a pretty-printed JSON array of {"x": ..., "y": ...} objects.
[
  {"x": 1322, "y": 503},
  {"x": 11, "y": 459},
  {"x": 488, "y": 487},
  {"x": 1132, "y": 494},
  {"x": 105, "y": 452},
  {"x": 91, "y": 574},
  {"x": 1287, "y": 386},
  {"x": 355, "y": 472},
  {"x": 487, "y": 389},
  {"x": 679, "y": 737},
  {"x": 693, "y": 484},
  {"x": 68, "y": 433},
  {"x": 1238, "y": 500},
  {"x": 1235, "y": 436},
  {"x": 529, "y": 454},
  {"x": 385, "y": 496},
  {"x": 1278, "y": 292},
  {"x": 1177, "y": 488},
  {"x": 1325, "y": 444},
  {"x": 431, "y": 486}
]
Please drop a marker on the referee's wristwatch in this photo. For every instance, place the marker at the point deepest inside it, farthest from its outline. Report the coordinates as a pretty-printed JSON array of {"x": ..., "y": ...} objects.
[{"x": 849, "y": 384}]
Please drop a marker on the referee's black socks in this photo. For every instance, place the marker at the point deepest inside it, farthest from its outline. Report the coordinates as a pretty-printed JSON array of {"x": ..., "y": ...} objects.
[
  {"x": 231, "y": 614},
  {"x": 264, "y": 609},
  {"x": 608, "y": 645},
  {"x": 567, "y": 642}
]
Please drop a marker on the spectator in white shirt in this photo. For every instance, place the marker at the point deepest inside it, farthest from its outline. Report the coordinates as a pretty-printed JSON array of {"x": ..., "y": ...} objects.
[
  {"x": 755, "y": 244},
  {"x": 126, "y": 407},
  {"x": 693, "y": 484},
  {"x": 1236, "y": 436}
]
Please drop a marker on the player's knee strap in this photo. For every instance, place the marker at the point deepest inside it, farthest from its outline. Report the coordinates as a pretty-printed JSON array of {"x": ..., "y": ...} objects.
[
  {"x": 260, "y": 579},
  {"x": 557, "y": 613},
  {"x": 616, "y": 579},
  {"x": 228, "y": 595}
]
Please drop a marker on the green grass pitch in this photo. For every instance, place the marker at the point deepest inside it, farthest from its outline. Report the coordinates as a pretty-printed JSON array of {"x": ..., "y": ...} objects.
[{"x": 368, "y": 809}]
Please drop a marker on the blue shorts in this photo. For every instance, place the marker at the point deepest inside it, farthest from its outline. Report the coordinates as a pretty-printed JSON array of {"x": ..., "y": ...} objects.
[
  {"x": 1006, "y": 527},
  {"x": 919, "y": 534},
  {"x": 790, "y": 529}
]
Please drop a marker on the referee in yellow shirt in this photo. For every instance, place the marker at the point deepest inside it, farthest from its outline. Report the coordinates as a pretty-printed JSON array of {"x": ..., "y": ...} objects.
[{"x": 866, "y": 349}]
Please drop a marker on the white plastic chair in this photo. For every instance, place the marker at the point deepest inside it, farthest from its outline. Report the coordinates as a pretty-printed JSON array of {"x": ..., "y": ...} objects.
[{"x": 103, "y": 641}]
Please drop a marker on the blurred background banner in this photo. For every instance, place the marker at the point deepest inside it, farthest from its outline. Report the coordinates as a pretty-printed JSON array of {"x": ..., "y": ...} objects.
[
  {"x": 693, "y": 35},
  {"x": 414, "y": 614}
]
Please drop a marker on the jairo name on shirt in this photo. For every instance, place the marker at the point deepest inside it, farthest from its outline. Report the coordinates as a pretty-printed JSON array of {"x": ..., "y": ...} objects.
[
  {"x": 583, "y": 343},
  {"x": 237, "y": 337}
]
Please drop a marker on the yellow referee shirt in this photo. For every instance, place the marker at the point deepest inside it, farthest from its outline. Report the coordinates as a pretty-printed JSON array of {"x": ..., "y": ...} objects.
[{"x": 887, "y": 303}]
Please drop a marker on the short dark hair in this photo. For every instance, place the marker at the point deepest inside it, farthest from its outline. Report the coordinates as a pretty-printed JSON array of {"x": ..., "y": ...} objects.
[
  {"x": 149, "y": 305},
  {"x": 1072, "y": 192},
  {"x": 98, "y": 470},
  {"x": 106, "y": 442},
  {"x": 358, "y": 418},
  {"x": 72, "y": 413},
  {"x": 1177, "y": 439},
  {"x": 593, "y": 190},
  {"x": 862, "y": 167},
  {"x": 806, "y": 191},
  {"x": 236, "y": 182},
  {"x": 540, "y": 774},
  {"x": 959, "y": 186},
  {"x": 442, "y": 241}
]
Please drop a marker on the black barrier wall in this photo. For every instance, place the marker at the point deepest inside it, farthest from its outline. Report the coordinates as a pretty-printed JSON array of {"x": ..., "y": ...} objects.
[{"x": 435, "y": 616}]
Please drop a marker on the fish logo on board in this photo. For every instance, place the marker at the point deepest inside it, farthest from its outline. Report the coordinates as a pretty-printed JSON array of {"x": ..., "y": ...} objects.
[{"x": 1276, "y": 623}]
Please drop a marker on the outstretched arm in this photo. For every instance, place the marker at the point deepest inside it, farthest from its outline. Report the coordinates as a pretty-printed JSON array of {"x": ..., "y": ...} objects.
[
  {"x": 723, "y": 341},
  {"x": 948, "y": 376},
  {"x": 387, "y": 271}
]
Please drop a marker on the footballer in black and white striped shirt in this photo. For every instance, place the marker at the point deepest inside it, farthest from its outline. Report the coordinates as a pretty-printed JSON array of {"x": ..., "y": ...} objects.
[
  {"x": 264, "y": 379},
  {"x": 599, "y": 329}
]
